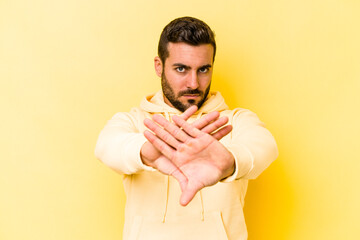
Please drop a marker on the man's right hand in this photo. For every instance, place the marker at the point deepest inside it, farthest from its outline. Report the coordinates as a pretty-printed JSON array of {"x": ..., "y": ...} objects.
[{"x": 154, "y": 158}]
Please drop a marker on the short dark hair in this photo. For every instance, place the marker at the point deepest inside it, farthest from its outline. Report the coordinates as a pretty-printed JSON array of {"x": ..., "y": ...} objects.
[{"x": 188, "y": 30}]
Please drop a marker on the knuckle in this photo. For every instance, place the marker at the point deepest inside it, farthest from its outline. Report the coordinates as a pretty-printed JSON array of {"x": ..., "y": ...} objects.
[
  {"x": 165, "y": 137},
  {"x": 166, "y": 124},
  {"x": 161, "y": 147},
  {"x": 181, "y": 147},
  {"x": 177, "y": 132}
]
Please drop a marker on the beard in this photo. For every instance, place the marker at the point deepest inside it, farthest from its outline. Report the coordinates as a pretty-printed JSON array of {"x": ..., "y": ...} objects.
[{"x": 174, "y": 99}]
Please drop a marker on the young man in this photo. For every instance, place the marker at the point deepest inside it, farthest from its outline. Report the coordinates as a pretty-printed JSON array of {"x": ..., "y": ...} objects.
[{"x": 190, "y": 154}]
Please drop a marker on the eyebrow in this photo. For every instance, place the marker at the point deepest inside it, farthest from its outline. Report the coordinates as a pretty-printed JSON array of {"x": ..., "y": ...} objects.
[{"x": 188, "y": 67}]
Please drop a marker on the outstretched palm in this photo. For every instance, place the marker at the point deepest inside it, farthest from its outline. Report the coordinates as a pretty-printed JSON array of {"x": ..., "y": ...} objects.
[
  {"x": 201, "y": 165},
  {"x": 198, "y": 156}
]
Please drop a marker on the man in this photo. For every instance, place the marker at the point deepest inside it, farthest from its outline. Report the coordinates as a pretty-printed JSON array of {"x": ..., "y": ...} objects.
[{"x": 190, "y": 154}]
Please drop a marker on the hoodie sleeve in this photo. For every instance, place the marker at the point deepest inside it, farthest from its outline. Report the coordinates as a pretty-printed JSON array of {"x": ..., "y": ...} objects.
[
  {"x": 119, "y": 144},
  {"x": 252, "y": 145}
]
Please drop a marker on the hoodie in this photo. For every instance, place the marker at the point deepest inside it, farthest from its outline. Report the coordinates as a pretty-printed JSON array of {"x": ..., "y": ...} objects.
[{"x": 152, "y": 208}]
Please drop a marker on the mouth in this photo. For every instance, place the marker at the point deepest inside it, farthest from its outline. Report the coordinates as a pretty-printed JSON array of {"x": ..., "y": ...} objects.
[{"x": 191, "y": 96}]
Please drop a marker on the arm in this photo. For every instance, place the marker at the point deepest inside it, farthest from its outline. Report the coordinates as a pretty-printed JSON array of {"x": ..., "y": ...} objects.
[
  {"x": 123, "y": 148},
  {"x": 119, "y": 144},
  {"x": 200, "y": 157},
  {"x": 155, "y": 157},
  {"x": 252, "y": 145},
  {"x": 204, "y": 160}
]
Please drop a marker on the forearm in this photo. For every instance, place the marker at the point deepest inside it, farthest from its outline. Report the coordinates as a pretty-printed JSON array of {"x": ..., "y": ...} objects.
[
  {"x": 252, "y": 145},
  {"x": 263, "y": 151},
  {"x": 119, "y": 143},
  {"x": 121, "y": 152}
]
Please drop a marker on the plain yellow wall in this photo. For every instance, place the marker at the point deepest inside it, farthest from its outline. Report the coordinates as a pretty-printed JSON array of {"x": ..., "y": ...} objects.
[{"x": 67, "y": 66}]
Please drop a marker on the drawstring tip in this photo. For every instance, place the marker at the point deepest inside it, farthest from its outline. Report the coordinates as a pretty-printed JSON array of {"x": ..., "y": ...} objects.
[
  {"x": 167, "y": 182},
  {"x": 202, "y": 206}
]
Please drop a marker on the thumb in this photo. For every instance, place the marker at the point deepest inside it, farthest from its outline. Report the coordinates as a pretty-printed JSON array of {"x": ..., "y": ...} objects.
[
  {"x": 181, "y": 178},
  {"x": 189, "y": 193}
]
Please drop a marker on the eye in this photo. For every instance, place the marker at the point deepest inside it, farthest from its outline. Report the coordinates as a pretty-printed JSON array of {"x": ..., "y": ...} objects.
[
  {"x": 180, "y": 69},
  {"x": 204, "y": 70}
]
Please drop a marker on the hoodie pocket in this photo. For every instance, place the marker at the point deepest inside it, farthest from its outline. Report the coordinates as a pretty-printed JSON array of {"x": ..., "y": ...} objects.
[{"x": 179, "y": 228}]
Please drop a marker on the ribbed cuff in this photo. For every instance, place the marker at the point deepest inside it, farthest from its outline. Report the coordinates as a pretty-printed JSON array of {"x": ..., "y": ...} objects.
[
  {"x": 135, "y": 154},
  {"x": 244, "y": 162}
]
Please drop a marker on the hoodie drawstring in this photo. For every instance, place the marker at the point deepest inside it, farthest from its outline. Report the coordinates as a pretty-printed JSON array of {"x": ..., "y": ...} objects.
[
  {"x": 167, "y": 181},
  {"x": 167, "y": 178},
  {"x": 200, "y": 193},
  {"x": 202, "y": 206},
  {"x": 199, "y": 115}
]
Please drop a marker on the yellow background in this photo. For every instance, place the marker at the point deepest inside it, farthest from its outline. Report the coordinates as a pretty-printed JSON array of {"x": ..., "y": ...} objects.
[{"x": 67, "y": 66}]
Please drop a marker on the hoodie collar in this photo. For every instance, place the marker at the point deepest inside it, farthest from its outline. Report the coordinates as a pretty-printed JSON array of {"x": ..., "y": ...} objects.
[{"x": 154, "y": 103}]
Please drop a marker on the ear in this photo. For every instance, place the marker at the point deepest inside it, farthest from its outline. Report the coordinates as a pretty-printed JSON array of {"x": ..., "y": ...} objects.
[{"x": 158, "y": 66}]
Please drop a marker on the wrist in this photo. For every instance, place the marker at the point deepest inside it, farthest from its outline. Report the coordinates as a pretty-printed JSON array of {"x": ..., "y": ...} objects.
[
  {"x": 144, "y": 160},
  {"x": 230, "y": 170},
  {"x": 148, "y": 154}
]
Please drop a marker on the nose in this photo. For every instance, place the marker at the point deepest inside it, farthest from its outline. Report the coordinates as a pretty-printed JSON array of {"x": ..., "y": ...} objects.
[{"x": 192, "y": 80}]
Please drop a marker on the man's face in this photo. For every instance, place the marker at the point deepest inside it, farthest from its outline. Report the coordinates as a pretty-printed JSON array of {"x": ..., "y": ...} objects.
[{"x": 186, "y": 74}]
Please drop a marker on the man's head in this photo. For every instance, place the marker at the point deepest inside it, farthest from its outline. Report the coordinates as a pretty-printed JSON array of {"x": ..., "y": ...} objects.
[{"x": 185, "y": 60}]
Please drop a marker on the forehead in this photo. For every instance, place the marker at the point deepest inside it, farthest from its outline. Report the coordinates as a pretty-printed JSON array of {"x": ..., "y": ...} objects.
[{"x": 190, "y": 55}]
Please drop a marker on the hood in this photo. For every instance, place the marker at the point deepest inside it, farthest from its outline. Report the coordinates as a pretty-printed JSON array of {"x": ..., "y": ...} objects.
[{"x": 154, "y": 103}]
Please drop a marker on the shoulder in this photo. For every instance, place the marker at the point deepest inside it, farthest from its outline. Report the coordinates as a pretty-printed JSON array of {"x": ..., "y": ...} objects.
[
  {"x": 133, "y": 114},
  {"x": 134, "y": 118},
  {"x": 238, "y": 112},
  {"x": 241, "y": 116}
]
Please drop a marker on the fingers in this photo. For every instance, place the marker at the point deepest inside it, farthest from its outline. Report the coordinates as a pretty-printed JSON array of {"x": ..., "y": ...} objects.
[
  {"x": 222, "y": 132},
  {"x": 207, "y": 124},
  {"x": 164, "y": 148},
  {"x": 175, "y": 132},
  {"x": 188, "y": 194},
  {"x": 171, "y": 134},
  {"x": 189, "y": 112},
  {"x": 189, "y": 129},
  {"x": 206, "y": 120},
  {"x": 180, "y": 177},
  {"x": 215, "y": 125},
  {"x": 161, "y": 133}
]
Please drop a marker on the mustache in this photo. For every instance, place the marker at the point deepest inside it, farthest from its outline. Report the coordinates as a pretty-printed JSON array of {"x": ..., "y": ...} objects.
[{"x": 190, "y": 91}]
